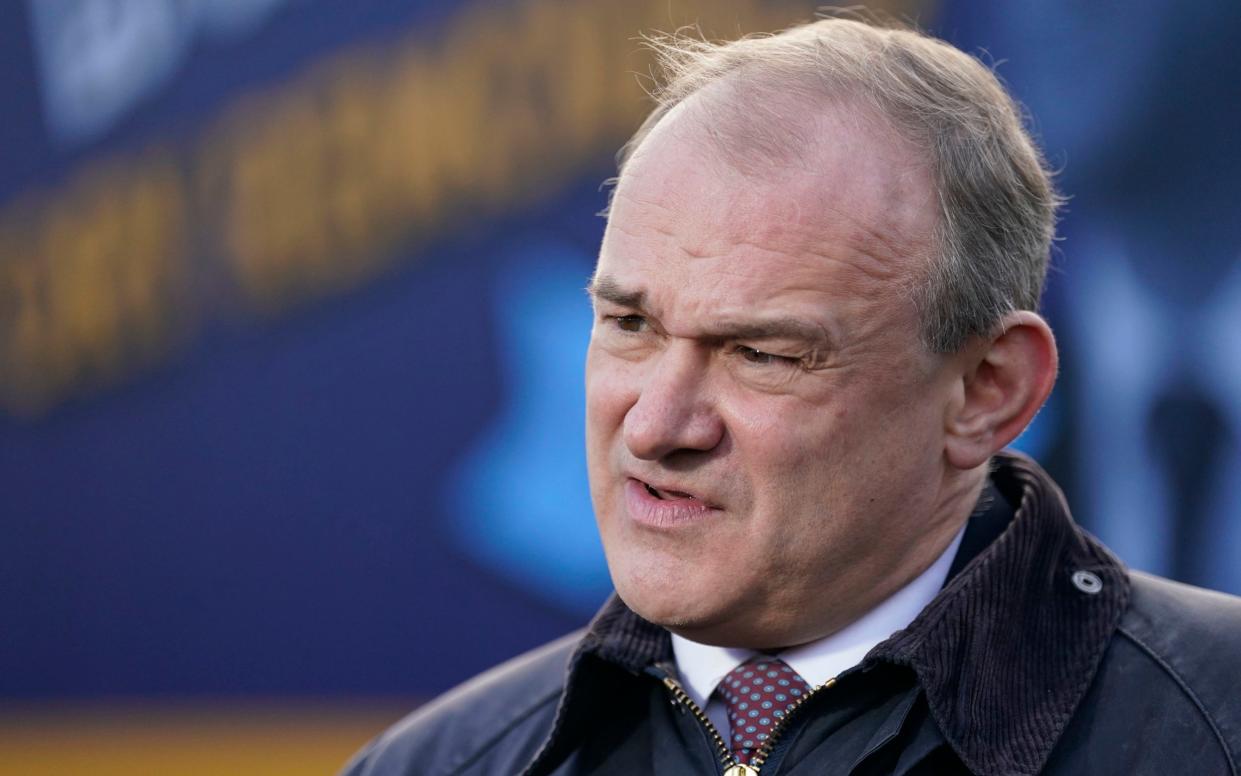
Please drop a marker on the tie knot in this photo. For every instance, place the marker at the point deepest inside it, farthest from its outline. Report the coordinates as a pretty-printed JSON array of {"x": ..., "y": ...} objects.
[{"x": 758, "y": 693}]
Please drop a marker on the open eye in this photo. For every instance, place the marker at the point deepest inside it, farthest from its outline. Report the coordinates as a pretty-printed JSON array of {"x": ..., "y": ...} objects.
[{"x": 630, "y": 323}]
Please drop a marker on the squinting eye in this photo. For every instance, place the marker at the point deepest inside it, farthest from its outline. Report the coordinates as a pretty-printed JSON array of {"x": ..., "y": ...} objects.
[
  {"x": 761, "y": 358},
  {"x": 630, "y": 323}
]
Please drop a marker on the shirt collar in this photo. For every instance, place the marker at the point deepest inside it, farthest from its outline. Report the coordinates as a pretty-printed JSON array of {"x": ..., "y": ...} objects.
[{"x": 702, "y": 666}]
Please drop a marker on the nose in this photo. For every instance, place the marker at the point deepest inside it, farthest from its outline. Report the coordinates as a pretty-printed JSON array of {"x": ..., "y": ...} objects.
[{"x": 674, "y": 410}]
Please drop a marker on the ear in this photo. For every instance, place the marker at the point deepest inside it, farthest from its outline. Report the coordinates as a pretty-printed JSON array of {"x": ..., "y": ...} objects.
[{"x": 1004, "y": 382}]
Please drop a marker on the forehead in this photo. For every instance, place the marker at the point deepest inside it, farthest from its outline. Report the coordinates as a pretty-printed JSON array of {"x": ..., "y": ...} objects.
[{"x": 856, "y": 201}]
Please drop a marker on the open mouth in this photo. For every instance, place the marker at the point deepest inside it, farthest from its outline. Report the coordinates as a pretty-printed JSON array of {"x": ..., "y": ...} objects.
[
  {"x": 664, "y": 508},
  {"x": 666, "y": 495}
]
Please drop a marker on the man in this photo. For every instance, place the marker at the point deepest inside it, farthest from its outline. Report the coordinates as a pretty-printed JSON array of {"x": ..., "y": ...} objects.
[{"x": 815, "y": 330}]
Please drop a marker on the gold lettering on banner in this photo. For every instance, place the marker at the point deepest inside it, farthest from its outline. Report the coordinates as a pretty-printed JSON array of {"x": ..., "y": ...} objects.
[
  {"x": 89, "y": 282},
  {"x": 373, "y": 149},
  {"x": 309, "y": 187}
]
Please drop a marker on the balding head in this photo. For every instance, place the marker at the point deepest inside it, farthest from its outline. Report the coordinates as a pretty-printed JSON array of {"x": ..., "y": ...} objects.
[{"x": 762, "y": 103}]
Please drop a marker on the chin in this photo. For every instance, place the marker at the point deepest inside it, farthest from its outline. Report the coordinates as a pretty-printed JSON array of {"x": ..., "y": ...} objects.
[
  {"x": 704, "y": 612},
  {"x": 670, "y": 601},
  {"x": 652, "y": 602},
  {"x": 667, "y": 582}
]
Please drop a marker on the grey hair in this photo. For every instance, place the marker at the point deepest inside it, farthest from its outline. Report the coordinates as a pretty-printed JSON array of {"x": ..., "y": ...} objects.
[{"x": 997, "y": 204}]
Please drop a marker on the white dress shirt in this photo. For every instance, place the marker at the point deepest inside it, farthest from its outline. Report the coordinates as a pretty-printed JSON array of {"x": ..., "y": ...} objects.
[{"x": 702, "y": 666}]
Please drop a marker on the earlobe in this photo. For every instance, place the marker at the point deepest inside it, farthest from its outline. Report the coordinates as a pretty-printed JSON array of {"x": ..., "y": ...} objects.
[{"x": 1004, "y": 382}]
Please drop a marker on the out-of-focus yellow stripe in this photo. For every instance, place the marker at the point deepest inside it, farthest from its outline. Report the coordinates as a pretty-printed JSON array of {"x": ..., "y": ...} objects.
[{"x": 285, "y": 738}]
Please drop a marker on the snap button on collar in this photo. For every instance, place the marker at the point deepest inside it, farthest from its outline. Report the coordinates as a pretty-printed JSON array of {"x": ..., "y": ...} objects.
[{"x": 1087, "y": 581}]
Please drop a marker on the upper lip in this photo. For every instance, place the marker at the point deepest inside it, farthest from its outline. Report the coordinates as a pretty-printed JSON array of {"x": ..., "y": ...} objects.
[{"x": 673, "y": 490}]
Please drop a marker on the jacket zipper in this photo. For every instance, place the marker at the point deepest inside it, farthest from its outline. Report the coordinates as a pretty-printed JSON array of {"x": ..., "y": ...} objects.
[{"x": 727, "y": 761}]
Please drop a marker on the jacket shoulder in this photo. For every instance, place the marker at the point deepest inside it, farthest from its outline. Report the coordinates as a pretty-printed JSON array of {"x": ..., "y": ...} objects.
[
  {"x": 494, "y": 723},
  {"x": 1197, "y": 612},
  {"x": 1194, "y": 635},
  {"x": 1164, "y": 697}
]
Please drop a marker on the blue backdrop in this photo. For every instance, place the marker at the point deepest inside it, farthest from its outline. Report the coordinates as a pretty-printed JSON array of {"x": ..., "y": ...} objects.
[{"x": 291, "y": 322}]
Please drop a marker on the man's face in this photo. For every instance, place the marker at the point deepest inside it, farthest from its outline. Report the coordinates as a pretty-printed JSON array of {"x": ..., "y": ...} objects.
[{"x": 764, "y": 428}]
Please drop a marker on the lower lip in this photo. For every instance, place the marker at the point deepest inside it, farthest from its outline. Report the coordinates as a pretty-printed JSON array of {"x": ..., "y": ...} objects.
[{"x": 646, "y": 509}]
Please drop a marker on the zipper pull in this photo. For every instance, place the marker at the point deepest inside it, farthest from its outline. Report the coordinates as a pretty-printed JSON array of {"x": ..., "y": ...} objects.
[{"x": 739, "y": 769}]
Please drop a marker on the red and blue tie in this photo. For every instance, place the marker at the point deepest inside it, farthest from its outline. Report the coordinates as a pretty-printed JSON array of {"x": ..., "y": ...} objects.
[{"x": 758, "y": 693}]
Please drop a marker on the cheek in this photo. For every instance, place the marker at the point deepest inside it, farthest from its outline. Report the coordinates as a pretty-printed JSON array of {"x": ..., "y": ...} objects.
[
  {"x": 786, "y": 460},
  {"x": 609, "y": 394},
  {"x": 785, "y": 436},
  {"x": 819, "y": 459}
]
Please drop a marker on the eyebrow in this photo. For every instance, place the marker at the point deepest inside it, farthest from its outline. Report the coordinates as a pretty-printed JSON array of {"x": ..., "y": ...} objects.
[
  {"x": 609, "y": 290},
  {"x": 776, "y": 328}
]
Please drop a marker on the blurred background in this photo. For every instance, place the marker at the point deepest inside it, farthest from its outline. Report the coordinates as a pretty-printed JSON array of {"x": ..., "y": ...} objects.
[{"x": 292, "y": 331}]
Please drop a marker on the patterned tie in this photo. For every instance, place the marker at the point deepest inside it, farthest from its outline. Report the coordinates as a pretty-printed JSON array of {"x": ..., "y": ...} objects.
[{"x": 759, "y": 692}]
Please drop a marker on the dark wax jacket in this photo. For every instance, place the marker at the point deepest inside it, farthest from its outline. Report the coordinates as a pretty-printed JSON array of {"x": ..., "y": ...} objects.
[{"x": 1042, "y": 654}]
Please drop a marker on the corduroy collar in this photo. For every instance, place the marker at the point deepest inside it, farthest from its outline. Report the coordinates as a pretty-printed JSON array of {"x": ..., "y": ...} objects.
[{"x": 1007, "y": 649}]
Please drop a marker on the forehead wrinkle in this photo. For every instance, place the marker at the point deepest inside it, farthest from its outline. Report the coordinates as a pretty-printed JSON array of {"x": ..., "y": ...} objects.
[
  {"x": 875, "y": 274},
  {"x": 886, "y": 231},
  {"x": 887, "y": 228},
  {"x": 697, "y": 251},
  {"x": 811, "y": 255}
]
